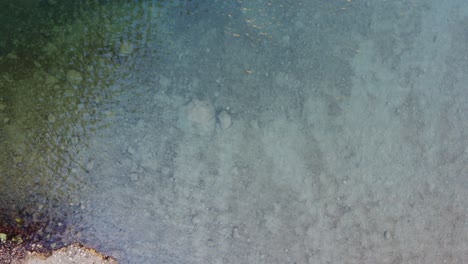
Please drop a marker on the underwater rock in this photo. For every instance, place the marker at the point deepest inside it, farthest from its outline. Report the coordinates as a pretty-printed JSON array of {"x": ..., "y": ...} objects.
[
  {"x": 90, "y": 165},
  {"x": 201, "y": 117},
  {"x": 74, "y": 77},
  {"x": 134, "y": 177},
  {"x": 224, "y": 120},
  {"x": 51, "y": 118},
  {"x": 125, "y": 49}
]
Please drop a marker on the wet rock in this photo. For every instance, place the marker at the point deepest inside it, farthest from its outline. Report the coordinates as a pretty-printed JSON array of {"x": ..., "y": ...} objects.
[{"x": 74, "y": 77}]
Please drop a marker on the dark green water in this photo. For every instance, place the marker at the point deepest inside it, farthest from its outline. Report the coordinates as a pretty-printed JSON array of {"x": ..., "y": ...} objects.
[{"x": 46, "y": 118}]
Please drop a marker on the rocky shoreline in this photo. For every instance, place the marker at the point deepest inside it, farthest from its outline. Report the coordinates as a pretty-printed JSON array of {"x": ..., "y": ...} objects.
[{"x": 74, "y": 253}]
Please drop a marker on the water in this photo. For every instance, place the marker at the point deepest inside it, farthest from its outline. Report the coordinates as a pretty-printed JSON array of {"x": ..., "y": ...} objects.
[{"x": 237, "y": 131}]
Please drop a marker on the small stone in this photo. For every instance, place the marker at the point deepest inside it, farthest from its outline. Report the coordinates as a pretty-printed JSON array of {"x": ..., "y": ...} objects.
[
  {"x": 74, "y": 77},
  {"x": 196, "y": 219},
  {"x": 235, "y": 233},
  {"x": 2, "y": 106},
  {"x": 387, "y": 235},
  {"x": 201, "y": 117},
  {"x": 90, "y": 165},
  {"x": 125, "y": 49},
  {"x": 75, "y": 140},
  {"x": 225, "y": 120},
  {"x": 131, "y": 150},
  {"x": 6, "y": 120},
  {"x": 134, "y": 177},
  {"x": 51, "y": 118}
]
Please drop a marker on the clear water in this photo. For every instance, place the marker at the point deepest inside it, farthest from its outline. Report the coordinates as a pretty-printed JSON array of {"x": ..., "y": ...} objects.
[{"x": 238, "y": 131}]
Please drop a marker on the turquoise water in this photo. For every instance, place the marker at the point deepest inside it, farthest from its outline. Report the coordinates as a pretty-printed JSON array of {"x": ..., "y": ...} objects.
[{"x": 238, "y": 131}]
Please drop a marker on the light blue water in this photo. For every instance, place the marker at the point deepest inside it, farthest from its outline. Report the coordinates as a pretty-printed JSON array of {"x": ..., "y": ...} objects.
[{"x": 238, "y": 131}]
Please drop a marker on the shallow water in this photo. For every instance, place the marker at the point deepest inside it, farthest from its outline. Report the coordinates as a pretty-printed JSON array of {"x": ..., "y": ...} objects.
[{"x": 238, "y": 131}]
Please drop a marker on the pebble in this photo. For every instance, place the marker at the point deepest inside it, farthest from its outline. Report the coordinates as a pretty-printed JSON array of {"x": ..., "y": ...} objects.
[
  {"x": 90, "y": 165},
  {"x": 210, "y": 243},
  {"x": 235, "y": 233},
  {"x": 201, "y": 117},
  {"x": 387, "y": 235},
  {"x": 6, "y": 120},
  {"x": 74, "y": 77},
  {"x": 75, "y": 140},
  {"x": 125, "y": 49},
  {"x": 51, "y": 118},
  {"x": 2, "y": 106},
  {"x": 196, "y": 219},
  {"x": 225, "y": 120},
  {"x": 131, "y": 150},
  {"x": 134, "y": 177}
]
